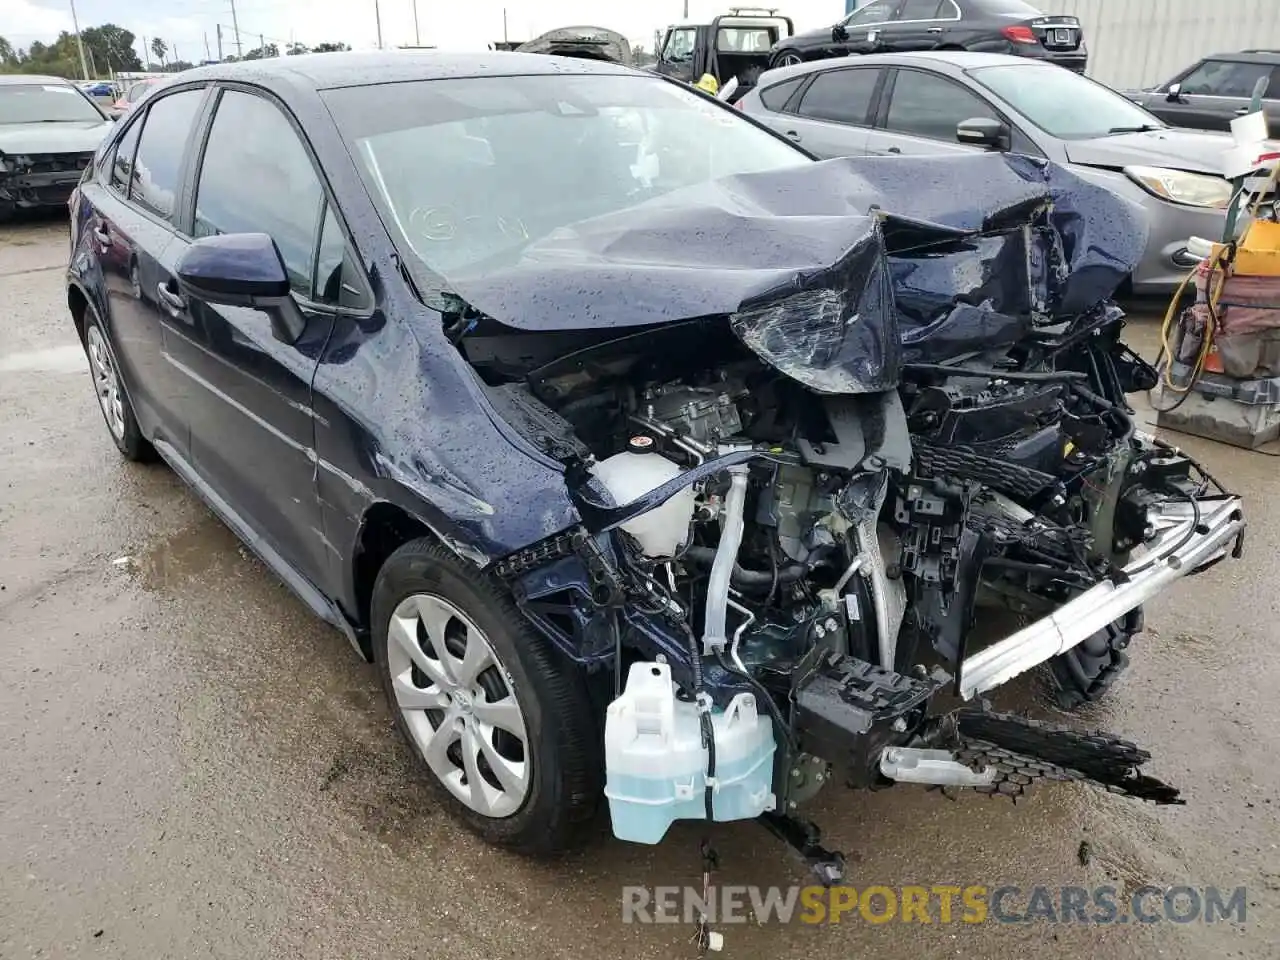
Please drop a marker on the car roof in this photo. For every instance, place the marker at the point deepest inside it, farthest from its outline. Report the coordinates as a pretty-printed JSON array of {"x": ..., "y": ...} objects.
[
  {"x": 1249, "y": 56},
  {"x": 8, "y": 78},
  {"x": 325, "y": 71},
  {"x": 959, "y": 60}
]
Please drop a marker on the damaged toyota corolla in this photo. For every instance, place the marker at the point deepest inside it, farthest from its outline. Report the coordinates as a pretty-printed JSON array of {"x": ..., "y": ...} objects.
[{"x": 647, "y": 457}]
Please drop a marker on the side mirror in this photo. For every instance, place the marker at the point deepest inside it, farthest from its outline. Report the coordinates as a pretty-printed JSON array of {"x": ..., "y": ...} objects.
[
  {"x": 242, "y": 270},
  {"x": 839, "y": 33},
  {"x": 983, "y": 132},
  {"x": 1175, "y": 92}
]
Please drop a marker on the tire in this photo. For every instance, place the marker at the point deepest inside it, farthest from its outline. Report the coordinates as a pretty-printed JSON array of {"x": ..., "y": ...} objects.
[
  {"x": 1086, "y": 672},
  {"x": 114, "y": 403},
  {"x": 539, "y": 767}
]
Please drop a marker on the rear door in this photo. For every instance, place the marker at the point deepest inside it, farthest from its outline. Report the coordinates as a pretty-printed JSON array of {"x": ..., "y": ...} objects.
[
  {"x": 919, "y": 24},
  {"x": 252, "y": 432},
  {"x": 133, "y": 227},
  {"x": 1210, "y": 95},
  {"x": 919, "y": 112},
  {"x": 832, "y": 115}
]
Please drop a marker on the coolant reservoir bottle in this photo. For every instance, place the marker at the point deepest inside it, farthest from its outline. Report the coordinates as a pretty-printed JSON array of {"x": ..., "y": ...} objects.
[
  {"x": 662, "y": 531},
  {"x": 656, "y": 766}
]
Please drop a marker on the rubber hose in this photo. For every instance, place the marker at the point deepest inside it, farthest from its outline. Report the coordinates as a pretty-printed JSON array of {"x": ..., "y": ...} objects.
[{"x": 747, "y": 579}]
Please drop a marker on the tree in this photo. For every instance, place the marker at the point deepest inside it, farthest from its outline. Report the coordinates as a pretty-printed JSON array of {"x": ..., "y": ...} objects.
[
  {"x": 297, "y": 48},
  {"x": 8, "y": 55},
  {"x": 329, "y": 48},
  {"x": 261, "y": 53},
  {"x": 159, "y": 48},
  {"x": 111, "y": 48}
]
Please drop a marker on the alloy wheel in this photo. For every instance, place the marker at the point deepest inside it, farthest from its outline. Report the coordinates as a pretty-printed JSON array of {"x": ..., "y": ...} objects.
[
  {"x": 789, "y": 60},
  {"x": 106, "y": 382},
  {"x": 459, "y": 705}
]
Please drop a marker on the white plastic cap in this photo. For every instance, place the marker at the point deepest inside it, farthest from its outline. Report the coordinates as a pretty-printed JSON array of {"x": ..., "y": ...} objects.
[{"x": 715, "y": 941}]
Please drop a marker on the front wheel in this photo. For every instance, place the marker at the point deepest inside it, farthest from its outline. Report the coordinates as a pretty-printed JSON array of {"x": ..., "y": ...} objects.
[
  {"x": 787, "y": 58},
  {"x": 1086, "y": 672},
  {"x": 501, "y": 722}
]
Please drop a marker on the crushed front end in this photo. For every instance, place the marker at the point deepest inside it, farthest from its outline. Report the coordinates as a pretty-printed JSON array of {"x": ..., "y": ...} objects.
[
  {"x": 793, "y": 506},
  {"x": 30, "y": 180}
]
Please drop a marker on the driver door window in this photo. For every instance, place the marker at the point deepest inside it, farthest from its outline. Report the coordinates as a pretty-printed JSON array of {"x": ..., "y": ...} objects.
[
  {"x": 924, "y": 105},
  {"x": 257, "y": 178},
  {"x": 879, "y": 12},
  {"x": 680, "y": 44},
  {"x": 1224, "y": 78}
]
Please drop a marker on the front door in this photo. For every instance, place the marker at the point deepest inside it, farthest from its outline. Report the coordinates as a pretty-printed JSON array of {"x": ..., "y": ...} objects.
[
  {"x": 1211, "y": 95},
  {"x": 252, "y": 432},
  {"x": 921, "y": 116}
]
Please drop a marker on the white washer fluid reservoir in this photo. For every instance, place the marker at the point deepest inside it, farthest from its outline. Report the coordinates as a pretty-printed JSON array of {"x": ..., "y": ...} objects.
[
  {"x": 656, "y": 766},
  {"x": 628, "y": 476}
]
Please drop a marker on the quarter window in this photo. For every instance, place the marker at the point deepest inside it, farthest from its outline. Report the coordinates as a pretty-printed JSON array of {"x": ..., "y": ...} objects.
[
  {"x": 840, "y": 95},
  {"x": 775, "y": 97},
  {"x": 257, "y": 177},
  {"x": 930, "y": 106},
  {"x": 157, "y": 167}
]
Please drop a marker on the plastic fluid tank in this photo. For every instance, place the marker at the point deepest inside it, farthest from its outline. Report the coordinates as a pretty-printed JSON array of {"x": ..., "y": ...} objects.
[
  {"x": 655, "y": 764},
  {"x": 627, "y": 476}
]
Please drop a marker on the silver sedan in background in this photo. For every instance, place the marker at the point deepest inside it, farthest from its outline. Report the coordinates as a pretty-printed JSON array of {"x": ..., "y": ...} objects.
[{"x": 941, "y": 102}]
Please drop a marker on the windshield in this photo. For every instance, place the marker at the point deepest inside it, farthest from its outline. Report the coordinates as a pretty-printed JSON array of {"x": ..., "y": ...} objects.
[
  {"x": 44, "y": 102},
  {"x": 469, "y": 171},
  {"x": 1064, "y": 104}
]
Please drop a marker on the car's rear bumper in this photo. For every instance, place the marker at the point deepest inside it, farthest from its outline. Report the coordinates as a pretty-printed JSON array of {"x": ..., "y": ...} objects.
[
  {"x": 1074, "y": 60},
  {"x": 1187, "y": 538}
]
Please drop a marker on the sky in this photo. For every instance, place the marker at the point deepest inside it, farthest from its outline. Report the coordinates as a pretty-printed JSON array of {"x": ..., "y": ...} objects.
[{"x": 466, "y": 25}]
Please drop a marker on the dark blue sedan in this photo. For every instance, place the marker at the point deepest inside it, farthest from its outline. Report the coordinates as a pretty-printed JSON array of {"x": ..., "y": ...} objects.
[{"x": 262, "y": 274}]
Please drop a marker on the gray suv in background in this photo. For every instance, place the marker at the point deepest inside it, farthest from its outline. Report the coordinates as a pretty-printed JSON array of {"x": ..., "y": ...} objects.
[
  {"x": 1210, "y": 94},
  {"x": 943, "y": 102}
]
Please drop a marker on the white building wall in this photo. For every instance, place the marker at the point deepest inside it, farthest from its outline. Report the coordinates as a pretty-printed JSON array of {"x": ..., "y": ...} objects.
[{"x": 1139, "y": 43}]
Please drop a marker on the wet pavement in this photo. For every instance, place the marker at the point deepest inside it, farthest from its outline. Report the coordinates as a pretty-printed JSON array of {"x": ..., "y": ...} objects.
[{"x": 195, "y": 767}]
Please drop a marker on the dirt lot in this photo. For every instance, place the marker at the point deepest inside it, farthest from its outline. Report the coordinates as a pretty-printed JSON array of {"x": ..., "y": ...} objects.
[{"x": 195, "y": 767}]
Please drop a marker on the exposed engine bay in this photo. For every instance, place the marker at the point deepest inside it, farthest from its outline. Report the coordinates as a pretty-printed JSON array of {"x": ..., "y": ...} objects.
[{"x": 787, "y": 534}]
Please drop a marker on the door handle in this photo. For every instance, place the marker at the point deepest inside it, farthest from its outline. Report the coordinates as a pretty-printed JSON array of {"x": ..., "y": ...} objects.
[
  {"x": 174, "y": 303},
  {"x": 894, "y": 150},
  {"x": 1242, "y": 111},
  {"x": 792, "y": 135},
  {"x": 935, "y": 30}
]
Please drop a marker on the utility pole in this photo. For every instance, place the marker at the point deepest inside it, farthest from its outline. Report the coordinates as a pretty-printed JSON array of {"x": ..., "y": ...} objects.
[
  {"x": 219, "y": 26},
  {"x": 377, "y": 13},
  {"x": 262, "y": 46},
  {"x": 235, "y": 25},
  {"x": 686, "y": 9},
  {"x": 417, "y": 40},
  {"x": 146, "y": 55},
  {"x": 176, "y": 58},
  {"x": 207, "y": 54},
  {"x": 504, "y": 24},
  {"x": 75, "y": 22}
]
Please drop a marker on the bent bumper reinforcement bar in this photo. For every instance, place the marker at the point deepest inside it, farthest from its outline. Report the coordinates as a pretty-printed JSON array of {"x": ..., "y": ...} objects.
[{"x": 1181, "y": 546}]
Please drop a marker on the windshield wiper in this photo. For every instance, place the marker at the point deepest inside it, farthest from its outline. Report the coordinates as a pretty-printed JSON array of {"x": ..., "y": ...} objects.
[{"x": 1144, "y": 128}]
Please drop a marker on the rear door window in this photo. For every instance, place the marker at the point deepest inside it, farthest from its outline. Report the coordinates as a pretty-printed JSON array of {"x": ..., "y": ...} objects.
[
  {"x": 926, "y": 105},
  {"x": 157, "y": 166},
  {"x": 918, "y": 10},
  {"x": 879, "y": 12},
  {"x": 843, "y": 96},
  {"x": 122, "y": 160}
]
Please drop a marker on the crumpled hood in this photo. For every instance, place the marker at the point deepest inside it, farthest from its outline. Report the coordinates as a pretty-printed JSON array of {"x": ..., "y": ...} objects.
[
  {"x": 825, "y": 269},
  {"x": 71, "y": 137},
  {"x": 1199, "y": 151}
]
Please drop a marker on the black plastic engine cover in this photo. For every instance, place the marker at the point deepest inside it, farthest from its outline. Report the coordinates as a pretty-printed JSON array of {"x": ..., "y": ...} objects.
[{"x": 845, "y": 711}]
